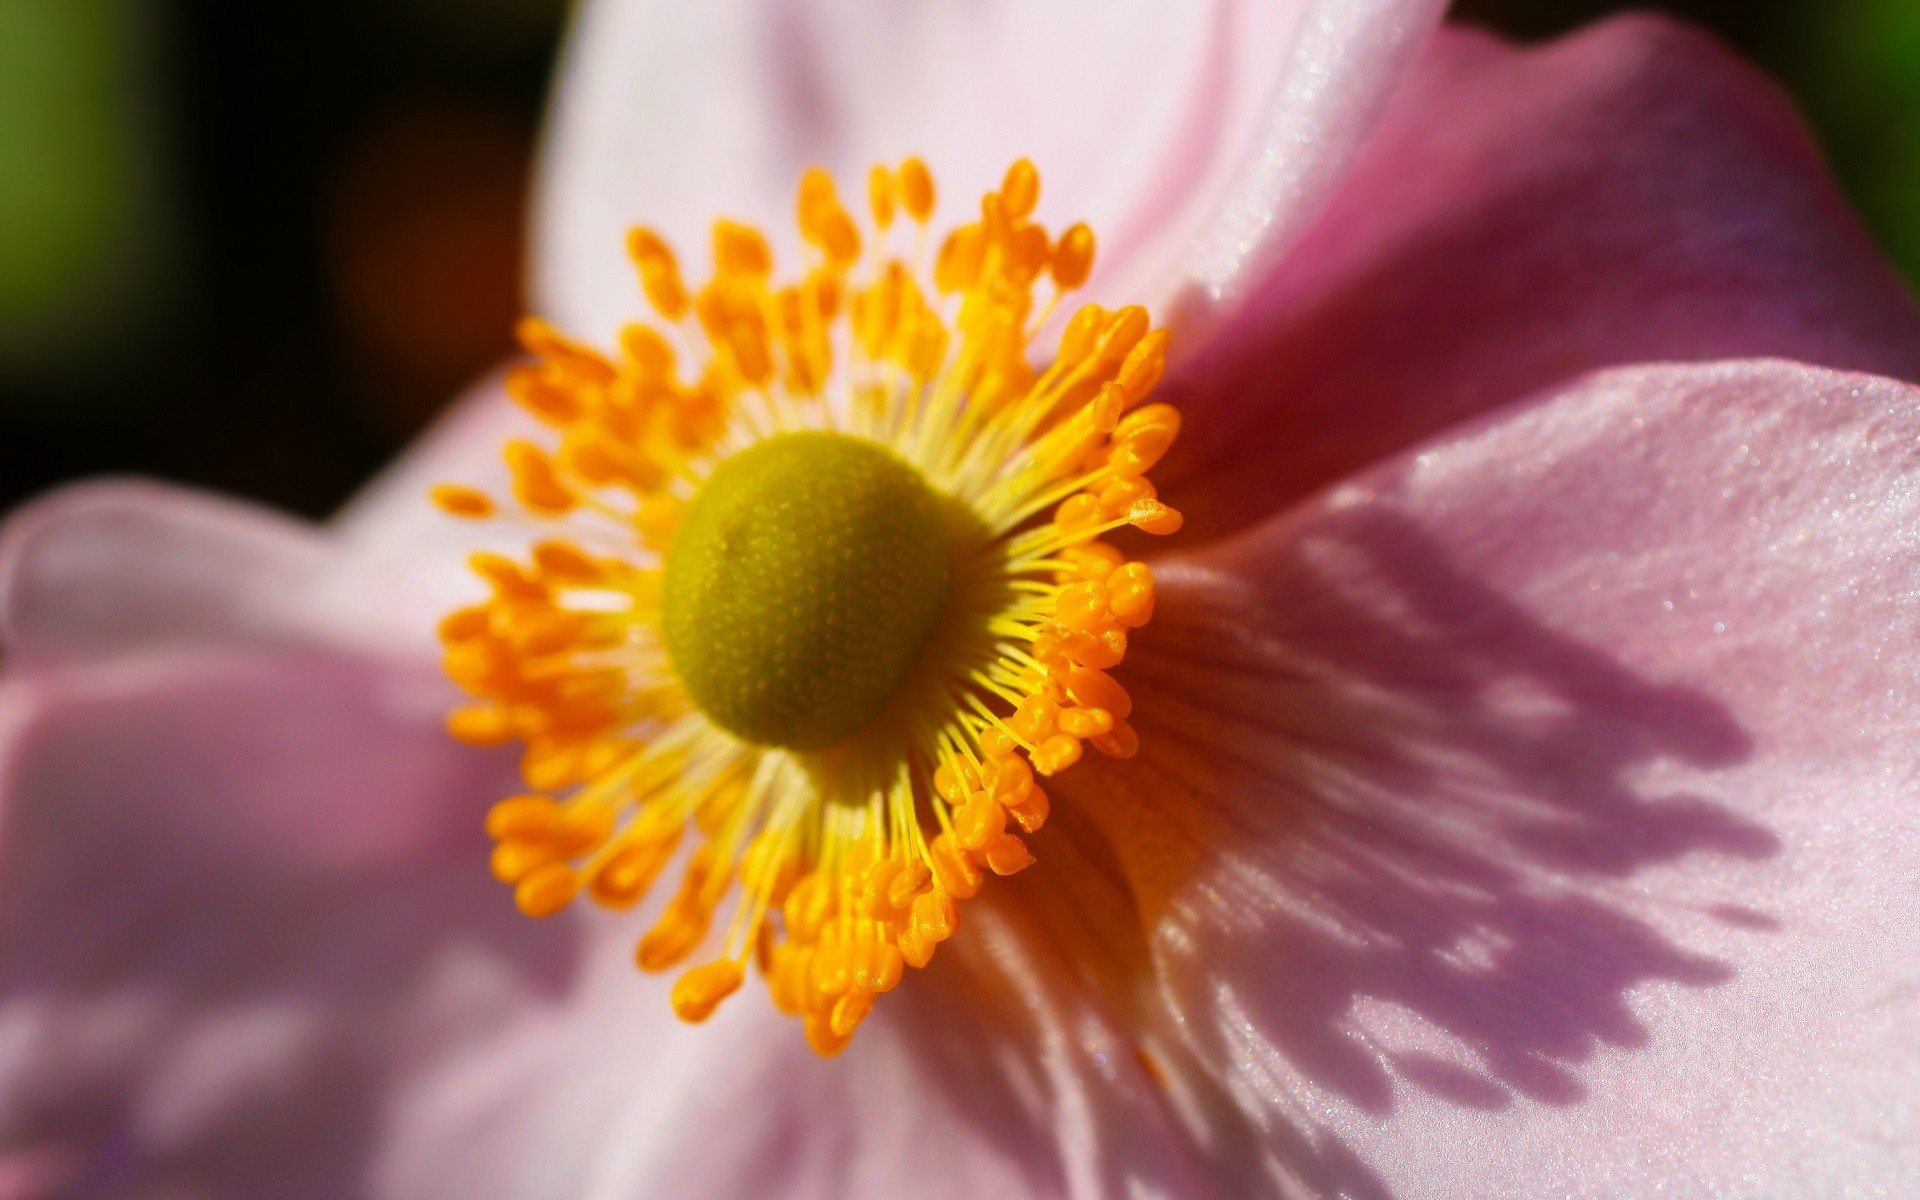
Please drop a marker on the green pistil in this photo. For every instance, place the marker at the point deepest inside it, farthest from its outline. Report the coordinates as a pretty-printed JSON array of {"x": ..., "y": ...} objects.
[{"x": 802, "y": 585}]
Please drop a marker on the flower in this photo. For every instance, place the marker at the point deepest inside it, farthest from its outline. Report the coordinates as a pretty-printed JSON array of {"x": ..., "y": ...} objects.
[
  {"x": 1525, "y": 738},
  {"x": 831, "y": 594}
]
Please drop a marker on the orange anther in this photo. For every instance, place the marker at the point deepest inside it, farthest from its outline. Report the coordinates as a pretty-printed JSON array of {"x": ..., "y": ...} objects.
[
  {"x": 958, "y": 263},
  {"x": 849, "y": 1011},
  {"x": 505, "y": 576},
  {"x": 741, "y": 250},
  {"x": 1085, "y": 722},
  {"x": 459, "y": 500},
  {"x": 877, "y": 967},
  {"x": 948, "y": 783},
  {"x": 479, "y": 724},
  {"x": 1077, "y": 512},
  {"x": 1100, "y": 649},
  {"x": 530, "y": 818},
  {"x": 1081, "y": 605},
  {"x": 679, "y": 931},
  {"x": 915, "y": 949},
  {"x": 1138, "y": 452},
  {"x": 916, "y": 189},
  {"x": 1031, "y": 812},
  {"x": 954, "y": 870},
  {"x": 1094, "y": 560},
  {"x": 935, "y": 916},
  {"x": 629, "y": 871},
  {"x": 978, "y": 822},
  {"x": 1012, "y": 779},
  {"x": 1027, "y": 254},
  {"x": 1056, "y": 754},
  {"x": 996, "y": 742},
  {"x": 1096, "y": 689},
  {"x": 1144, "y": 365},
  {"x": 1151, "y": 516},
  {"x": 465, "y": 624},
  {"x": 564, "y": 562},
  {"x": 880, "y": 196},
  {"x": 908, "y": 884},
  {"x": 1073, "y": 258},
  {"x": 535, "y": 483},
  {"x": 1082, "y": 333},
  {"x": 555, "y": 403},
  {"x": 659, "y": 272},
  {"x": 1008, "y": 855},
  {"x": 546, "y": 890},
  {"x": 821, "y": 1036},
  {"x": 649, "y": 354},
  {"x": 1033, "y": 718},
  {"x": 1103, "y": 411},
  {"x": 698, "y": 992},
  {"x": 513, "y": 861},
  {"x": 1130, "y": 591},
  {"x": 582, "y": 828},
  {"x": 1120, "y": 495},
  {"x": 1020, "y": 190},
  {"x": 1122, "y": 332},
  {"x": 876, "y": 889},
  {"x": 1152, "y": 416},
  {"x": 1122, "y": 742},
  {"x": 808, "y": 907}
]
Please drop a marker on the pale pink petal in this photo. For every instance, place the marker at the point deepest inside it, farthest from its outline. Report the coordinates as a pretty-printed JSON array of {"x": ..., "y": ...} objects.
[
  {"x": 401, "y": 561},
  {"x": 243, "y": 894},
  {"x": 97, "y": 570},
  {"x": 1196, "y": 138},
  {"x": 1534, "y": 815},
  {"x": 1630, "y": 194},
  {"x": 996, "y": 1074}
]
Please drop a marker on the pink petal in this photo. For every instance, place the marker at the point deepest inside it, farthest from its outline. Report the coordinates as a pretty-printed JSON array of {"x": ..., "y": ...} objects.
[
  {"x": 1197, "y": 139},
  {"x": 1534, "y": 815},
  {"x": 401, "y": 562},
  {"x": 996, "y": 1075},
  {"x": 98, "y": 570},
  {"x": 244, "y": 896},
  {"x": 1629, "y": 194}
]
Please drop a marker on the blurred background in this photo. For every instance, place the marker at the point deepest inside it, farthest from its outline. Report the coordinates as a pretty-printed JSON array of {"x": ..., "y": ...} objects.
[{"x": 256, "y": 246}]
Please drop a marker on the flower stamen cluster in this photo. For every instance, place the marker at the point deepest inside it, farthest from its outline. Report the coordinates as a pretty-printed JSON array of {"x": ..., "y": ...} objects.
[{"x": 823, "y": 578}]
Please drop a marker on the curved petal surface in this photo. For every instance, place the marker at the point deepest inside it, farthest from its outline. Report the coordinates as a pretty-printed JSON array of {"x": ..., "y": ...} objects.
[
  {"x": 241, "y": 894},
  {"x": 1533, "y": 815},
  {"x": 1196, "y": 138},
  {"x": 995, "y": 1075},
  {"x": 1632, "y": 193},
  {"x": 98, "y": 570},
  {"x": 401, "y": 563}
]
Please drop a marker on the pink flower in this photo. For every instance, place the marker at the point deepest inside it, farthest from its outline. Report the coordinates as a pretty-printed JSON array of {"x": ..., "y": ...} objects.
[{"x": 1524, "y": 805}]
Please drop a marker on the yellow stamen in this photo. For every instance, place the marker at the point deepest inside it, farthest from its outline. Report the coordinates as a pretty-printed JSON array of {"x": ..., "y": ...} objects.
[{"x": 829, "y": 590}]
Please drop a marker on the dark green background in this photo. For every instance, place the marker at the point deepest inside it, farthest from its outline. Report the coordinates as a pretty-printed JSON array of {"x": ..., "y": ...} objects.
[{"x": 217, "y": 216}]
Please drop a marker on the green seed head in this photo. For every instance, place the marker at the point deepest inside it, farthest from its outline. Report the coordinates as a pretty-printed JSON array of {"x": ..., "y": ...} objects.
[{"x": 802, "y": 584}]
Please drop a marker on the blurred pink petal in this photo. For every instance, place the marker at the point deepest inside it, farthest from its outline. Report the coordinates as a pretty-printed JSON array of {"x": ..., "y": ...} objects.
[
  {"x": 1533, "y": 815},
  {"x": 98, "y": 570},
  {"x": 242, "y": 896},
  {"x": 972, "y": 1090},
  {"x": 1197, "y": 139},
  {"x": 1629, "y": 194}
]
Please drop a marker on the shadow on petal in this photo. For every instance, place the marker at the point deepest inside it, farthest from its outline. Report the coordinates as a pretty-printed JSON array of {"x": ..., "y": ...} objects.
[{"x": 1384, "y": 830}]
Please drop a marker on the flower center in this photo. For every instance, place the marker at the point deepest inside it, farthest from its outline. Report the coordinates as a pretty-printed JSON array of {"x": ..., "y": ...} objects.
[
  {"x": 828, "y": 587},
  {"x": 803, "y": 582}
]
